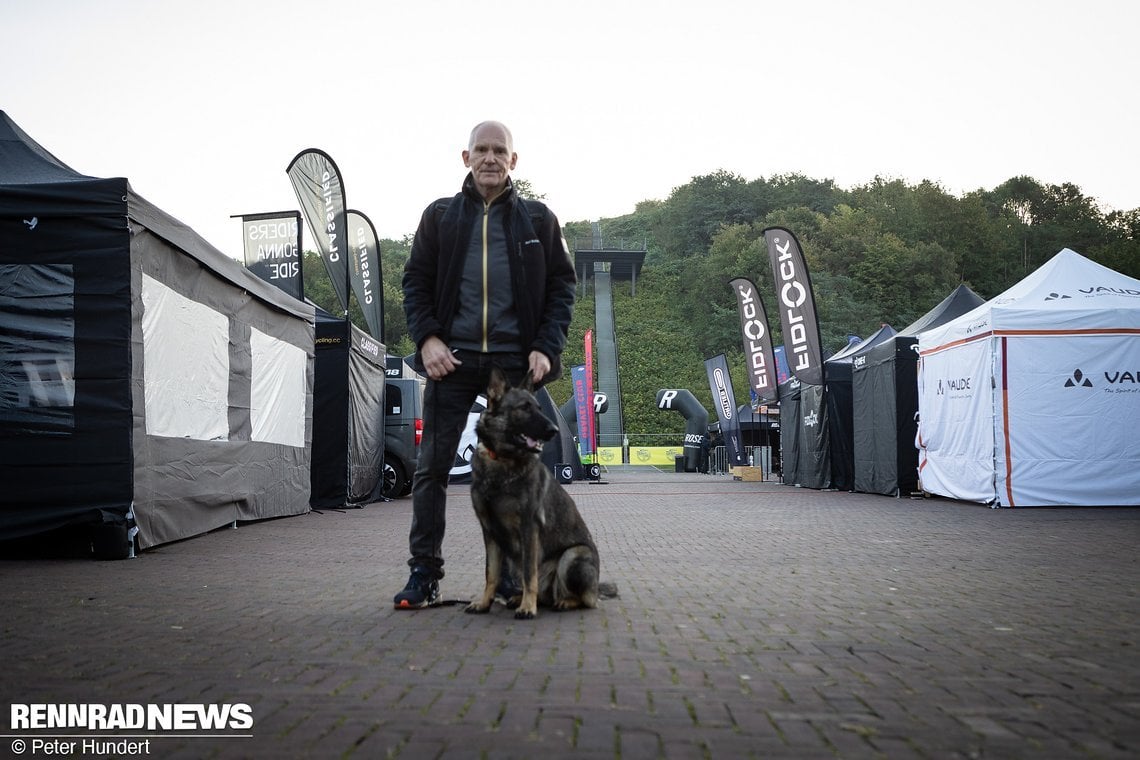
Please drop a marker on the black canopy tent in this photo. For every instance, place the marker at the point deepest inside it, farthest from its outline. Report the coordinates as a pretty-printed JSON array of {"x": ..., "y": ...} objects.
[
  {"x": 146, "y": 379},
  {"x": 837, "y": 371},
  {"x": 805, "y": 448},
  {"x": 885, "y": 402},
  {"x": 348, "y": 414}
]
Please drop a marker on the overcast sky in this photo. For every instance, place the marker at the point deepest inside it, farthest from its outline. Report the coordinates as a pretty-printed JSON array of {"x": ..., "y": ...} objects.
[{"x": 203, "y": 103}]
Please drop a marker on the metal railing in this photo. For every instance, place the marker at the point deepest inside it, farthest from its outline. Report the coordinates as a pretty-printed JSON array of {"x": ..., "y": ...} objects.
[
  {"x": 758, "y": 456},
  {"x": 590, "y": 244}
]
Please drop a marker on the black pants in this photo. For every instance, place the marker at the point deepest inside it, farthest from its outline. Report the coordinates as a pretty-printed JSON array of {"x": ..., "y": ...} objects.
[{"x": 447, "y": 404}]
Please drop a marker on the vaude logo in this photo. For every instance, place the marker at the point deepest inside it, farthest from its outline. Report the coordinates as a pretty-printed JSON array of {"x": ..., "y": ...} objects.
[
  {"x": 954, "y": 385},
  {"x": 1115, "y": 378},
  {"x": 811, "y": 420},
  {"x": 1095, "y": 290},
  {"x": 1078, "y": 379},
  {"x": 1116, "y": 381},
  {"x": 860, "y": 361},
  {"x": 1104, "y": 290}
]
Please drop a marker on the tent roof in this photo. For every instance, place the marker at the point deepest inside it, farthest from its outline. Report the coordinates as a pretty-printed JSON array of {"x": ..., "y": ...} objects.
[
  {"x": 1068, "y": 293},
  {"x": 194, "y": 245},
  {"x": 960, "y": 301},
  {"x": 847, "y": 355},
  {"x": 23, "y": 161}
]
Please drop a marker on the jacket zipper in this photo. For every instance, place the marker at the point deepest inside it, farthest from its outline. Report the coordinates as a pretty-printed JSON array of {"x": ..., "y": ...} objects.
[{"x": 486, "y": 252}]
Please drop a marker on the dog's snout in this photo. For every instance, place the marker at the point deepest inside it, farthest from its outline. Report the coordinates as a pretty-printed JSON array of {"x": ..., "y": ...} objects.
[{"x": 541, "y": 428}]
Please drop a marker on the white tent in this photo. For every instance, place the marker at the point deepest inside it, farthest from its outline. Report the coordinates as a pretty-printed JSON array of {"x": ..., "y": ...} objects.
[{"x": 1033, "y": 398}]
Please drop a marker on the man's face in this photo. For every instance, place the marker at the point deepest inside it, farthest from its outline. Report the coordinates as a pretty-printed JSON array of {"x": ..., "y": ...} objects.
[{"x": 490, "y": 158}]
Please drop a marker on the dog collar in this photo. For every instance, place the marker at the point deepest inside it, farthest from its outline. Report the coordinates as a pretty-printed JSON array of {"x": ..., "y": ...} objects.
[{"x": 490, "y": 454}]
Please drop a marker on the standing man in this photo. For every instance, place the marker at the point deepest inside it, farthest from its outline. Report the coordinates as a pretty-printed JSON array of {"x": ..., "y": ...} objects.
[{"x": 489, "y": 283}]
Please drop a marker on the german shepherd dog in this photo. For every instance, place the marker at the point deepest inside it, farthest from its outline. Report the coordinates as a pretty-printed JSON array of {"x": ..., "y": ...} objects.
[{"x": 525, "y": 514}]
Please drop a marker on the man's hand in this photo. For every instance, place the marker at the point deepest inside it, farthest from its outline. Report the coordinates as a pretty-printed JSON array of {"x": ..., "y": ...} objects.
[
  {"x": 438, "y": 359},
  {"x": 539, "y": 366}
]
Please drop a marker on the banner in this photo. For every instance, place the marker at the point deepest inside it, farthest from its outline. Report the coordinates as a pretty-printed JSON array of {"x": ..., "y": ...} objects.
[
  {"x": 797, "y": 306},
  {"x": 366, "y": 276},
  {"x": 783, "y": 374},
  {"x": 757, "y": 341},
  {"x": 271, "y": 244},
  {"x": 316, "y": 181},
  {"x": 585, "y": 409},
  {"x": 588, "y": 351},
  {"x": 725, "y": 402}
]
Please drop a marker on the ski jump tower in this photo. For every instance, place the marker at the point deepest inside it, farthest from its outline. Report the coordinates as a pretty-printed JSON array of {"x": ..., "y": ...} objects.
[{"x": 598, "y": 264}]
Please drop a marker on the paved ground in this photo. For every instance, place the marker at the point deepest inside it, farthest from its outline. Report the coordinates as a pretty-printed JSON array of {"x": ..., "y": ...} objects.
[{"x": 754, "y": 620}]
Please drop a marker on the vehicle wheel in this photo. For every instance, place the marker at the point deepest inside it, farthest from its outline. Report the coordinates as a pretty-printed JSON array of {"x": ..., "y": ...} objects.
[{"x": 395, "y": 479}]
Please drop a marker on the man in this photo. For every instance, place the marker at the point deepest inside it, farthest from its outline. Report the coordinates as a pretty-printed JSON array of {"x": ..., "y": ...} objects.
[{"x": 488, "y": 283}]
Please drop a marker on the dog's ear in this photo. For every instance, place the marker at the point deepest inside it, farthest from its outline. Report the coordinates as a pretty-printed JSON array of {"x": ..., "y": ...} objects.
[
  {"x": 497, "y": 387},
  {"x": 528, "y": 381}
]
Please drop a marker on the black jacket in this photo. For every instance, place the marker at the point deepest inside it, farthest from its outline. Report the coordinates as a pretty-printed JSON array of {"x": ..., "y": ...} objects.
[{"x": 542, "y": 276}]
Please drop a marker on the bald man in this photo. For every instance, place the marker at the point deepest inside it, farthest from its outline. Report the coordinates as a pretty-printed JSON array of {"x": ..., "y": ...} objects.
[{"x": 488, "y": 283}]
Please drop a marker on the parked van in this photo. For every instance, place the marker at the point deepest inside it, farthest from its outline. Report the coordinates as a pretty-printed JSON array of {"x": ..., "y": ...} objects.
[{"x": 403, "y": 429}]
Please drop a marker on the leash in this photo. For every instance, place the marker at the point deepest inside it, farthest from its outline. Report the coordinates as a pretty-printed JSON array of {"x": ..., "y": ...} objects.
[
  {"x": 448, "y": 602},
  {"x": 605, "y": 591}
]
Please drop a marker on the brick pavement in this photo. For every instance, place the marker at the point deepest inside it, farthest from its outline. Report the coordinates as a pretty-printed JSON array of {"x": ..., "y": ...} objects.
[{"x": 754, "y": 620}]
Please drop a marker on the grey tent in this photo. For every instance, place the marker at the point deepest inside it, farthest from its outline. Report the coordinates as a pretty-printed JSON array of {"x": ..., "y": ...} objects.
[
  {"x": 885, "y": 401},
  {"x": 146, "y": 379},
  {"x": 837, "y": 373},
  {"x": 348, "y": 414}
]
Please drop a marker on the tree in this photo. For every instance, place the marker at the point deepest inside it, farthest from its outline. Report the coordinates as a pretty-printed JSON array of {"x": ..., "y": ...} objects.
[
  {"x": 685, "y": 224},
  {"x": 526, "y": 190}
]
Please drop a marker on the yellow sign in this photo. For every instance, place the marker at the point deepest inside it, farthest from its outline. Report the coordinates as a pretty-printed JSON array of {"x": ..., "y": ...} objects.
[
  {"x": 609, "y": 455},
  {"x": 655, "y": 455}
]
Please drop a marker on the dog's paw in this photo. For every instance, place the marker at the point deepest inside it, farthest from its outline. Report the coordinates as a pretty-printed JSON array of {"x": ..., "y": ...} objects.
[
  {"x": 521, "y": 614},
  {"x": 476, "y": 609}
]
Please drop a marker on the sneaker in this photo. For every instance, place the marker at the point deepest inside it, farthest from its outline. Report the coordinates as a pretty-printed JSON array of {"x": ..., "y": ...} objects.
[{"x": 422, "y": 590}]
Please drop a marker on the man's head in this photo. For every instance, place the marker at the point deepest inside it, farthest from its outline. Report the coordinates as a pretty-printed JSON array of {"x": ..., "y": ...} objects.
[{"x": 490, "y": 156}]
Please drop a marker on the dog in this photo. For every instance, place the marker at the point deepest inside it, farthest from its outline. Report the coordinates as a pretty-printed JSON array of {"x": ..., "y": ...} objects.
[{"x": 525, "y": 514}]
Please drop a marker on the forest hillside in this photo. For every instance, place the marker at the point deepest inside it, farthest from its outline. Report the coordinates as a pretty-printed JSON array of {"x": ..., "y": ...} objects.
[{"x": 881, "y": 253}]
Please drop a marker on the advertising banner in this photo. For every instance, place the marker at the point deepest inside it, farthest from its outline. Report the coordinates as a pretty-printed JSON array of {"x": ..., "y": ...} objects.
[
  {"x": 365, "y": 274},
  {"x": 798, "y": 321},
  {"x": 585, "y": 409},
  {"x": 725, "y": 402},
  {"x": 757, "y": 341},
  {"x": 271, "y": 245},
  {"x": 317, "y": 183},
  {"x": 588, "y": 350}
]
